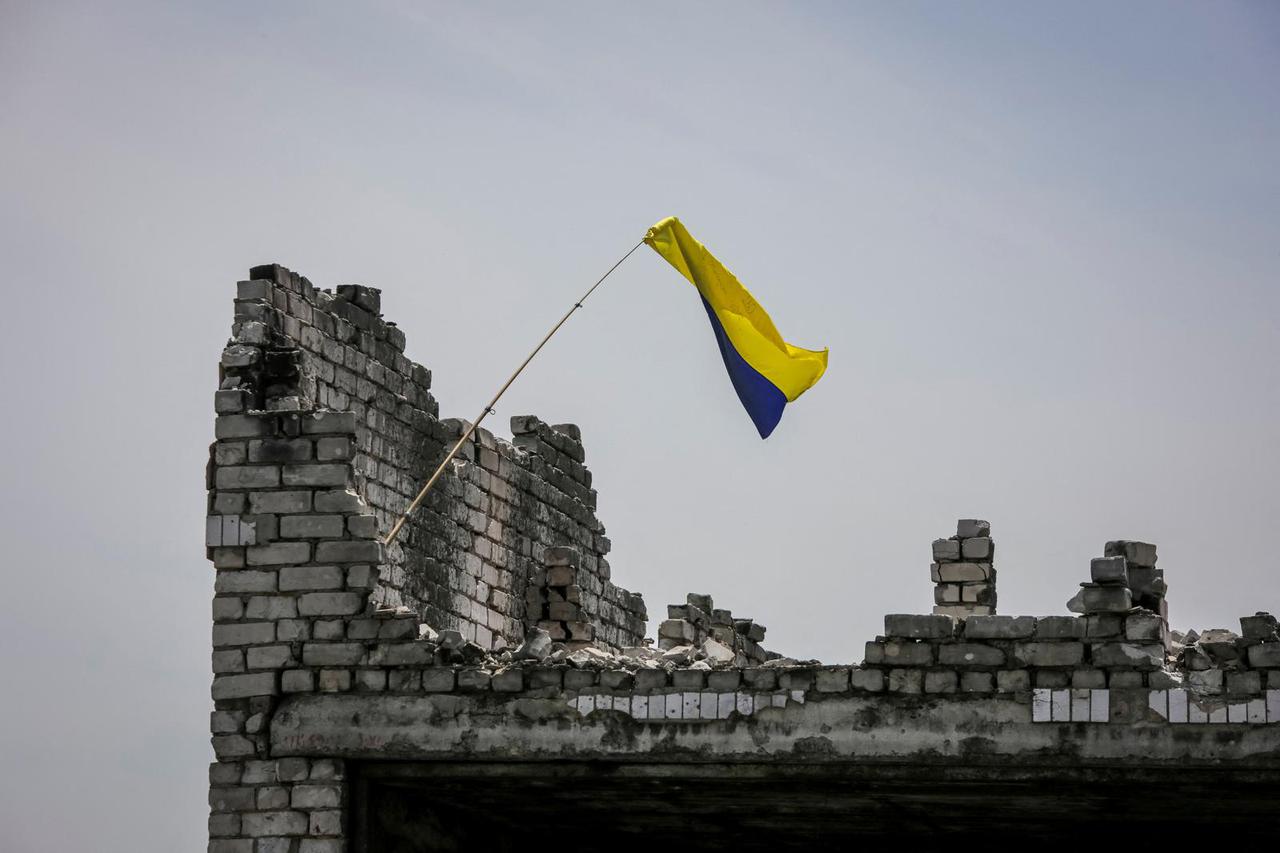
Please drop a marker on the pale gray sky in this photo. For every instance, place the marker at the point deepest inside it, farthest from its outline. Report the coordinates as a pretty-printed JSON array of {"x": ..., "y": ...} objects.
[{"x": 1039, "y": 239}]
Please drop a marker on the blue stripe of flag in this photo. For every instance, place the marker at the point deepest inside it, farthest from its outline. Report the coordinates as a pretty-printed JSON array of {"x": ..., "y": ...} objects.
[{"x": 762, "y": 399}]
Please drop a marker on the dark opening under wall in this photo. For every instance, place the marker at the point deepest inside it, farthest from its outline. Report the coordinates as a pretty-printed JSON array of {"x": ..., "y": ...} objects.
[{"x": 579, "y": 807}]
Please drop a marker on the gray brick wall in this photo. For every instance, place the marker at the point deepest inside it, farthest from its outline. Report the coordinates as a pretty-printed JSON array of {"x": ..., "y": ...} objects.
[{"x": 463, "y": 562}]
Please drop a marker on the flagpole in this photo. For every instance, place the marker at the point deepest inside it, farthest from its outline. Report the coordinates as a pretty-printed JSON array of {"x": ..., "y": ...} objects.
[{"x": 488, "y": 409}]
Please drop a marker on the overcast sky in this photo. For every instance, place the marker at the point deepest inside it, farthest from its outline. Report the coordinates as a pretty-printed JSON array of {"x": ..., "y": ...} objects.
[{"x": 1040, "y": 242}]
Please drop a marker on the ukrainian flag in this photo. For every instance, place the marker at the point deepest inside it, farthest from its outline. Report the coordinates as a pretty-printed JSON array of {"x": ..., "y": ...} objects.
[{"x": 766, "y": 371}]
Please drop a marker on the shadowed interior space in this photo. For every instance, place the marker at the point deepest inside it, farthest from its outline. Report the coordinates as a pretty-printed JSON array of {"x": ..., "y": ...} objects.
[{"x": 571, "y": 807}]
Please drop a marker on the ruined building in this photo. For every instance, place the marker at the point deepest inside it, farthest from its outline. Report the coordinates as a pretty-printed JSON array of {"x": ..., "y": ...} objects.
[{"x": 485, "y": 684}]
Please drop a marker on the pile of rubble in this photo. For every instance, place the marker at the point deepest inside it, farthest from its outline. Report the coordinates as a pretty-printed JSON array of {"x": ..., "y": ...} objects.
[
  {"x": 698, "y": 628},
  {"x": 1120, "y": 639},
  {"x": 1219, "y": 659},
  {"x": 1126, "y": 590},
  {"x": 540, "y": 647},
  {"x": 1124, "y": 578}
]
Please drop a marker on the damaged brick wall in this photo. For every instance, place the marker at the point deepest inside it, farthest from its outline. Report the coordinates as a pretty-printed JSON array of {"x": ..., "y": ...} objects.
[
  {"x": 464, "y": 560},
  {"x": 324, "y": 431}
]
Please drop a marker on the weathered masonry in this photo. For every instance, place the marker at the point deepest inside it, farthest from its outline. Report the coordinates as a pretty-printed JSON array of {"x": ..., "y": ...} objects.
[{"x": 485, "y": 685}]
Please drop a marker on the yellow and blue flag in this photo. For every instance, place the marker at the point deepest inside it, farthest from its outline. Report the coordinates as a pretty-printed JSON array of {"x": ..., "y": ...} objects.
[{"x": 766, "y": 371}]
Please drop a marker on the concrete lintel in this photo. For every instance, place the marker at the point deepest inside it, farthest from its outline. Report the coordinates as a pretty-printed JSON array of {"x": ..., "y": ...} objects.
[{"x": 843, "y": 729}]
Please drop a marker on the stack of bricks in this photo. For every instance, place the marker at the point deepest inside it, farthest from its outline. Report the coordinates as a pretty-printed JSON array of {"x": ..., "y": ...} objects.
[
  {"x": 1125, "y": 585},
  {"x": 1260, "y": 644},
  {"x": 964, "y": 571},
  {"x": 1146, "y": 583},
  {"x": 697, "y": 620},
  {"x": 1219, "y": 660},
  {"x": 555, "y": 599}
]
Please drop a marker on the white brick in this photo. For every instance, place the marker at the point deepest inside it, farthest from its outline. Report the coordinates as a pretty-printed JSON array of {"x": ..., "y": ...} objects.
[
  {"x": 1177, "y": 706},
  {"x": 1099, "y": 706},
  {"x": 1080, "y": 706},
  {"x": 1041, "y": 705},
  {"x": 1060, "y": 706},
  {"x": 1158, "y": 701}
]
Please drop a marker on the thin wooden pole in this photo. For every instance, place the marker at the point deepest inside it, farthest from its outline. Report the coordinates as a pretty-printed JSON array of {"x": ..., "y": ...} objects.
[{"x": 488, "y": 409}]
